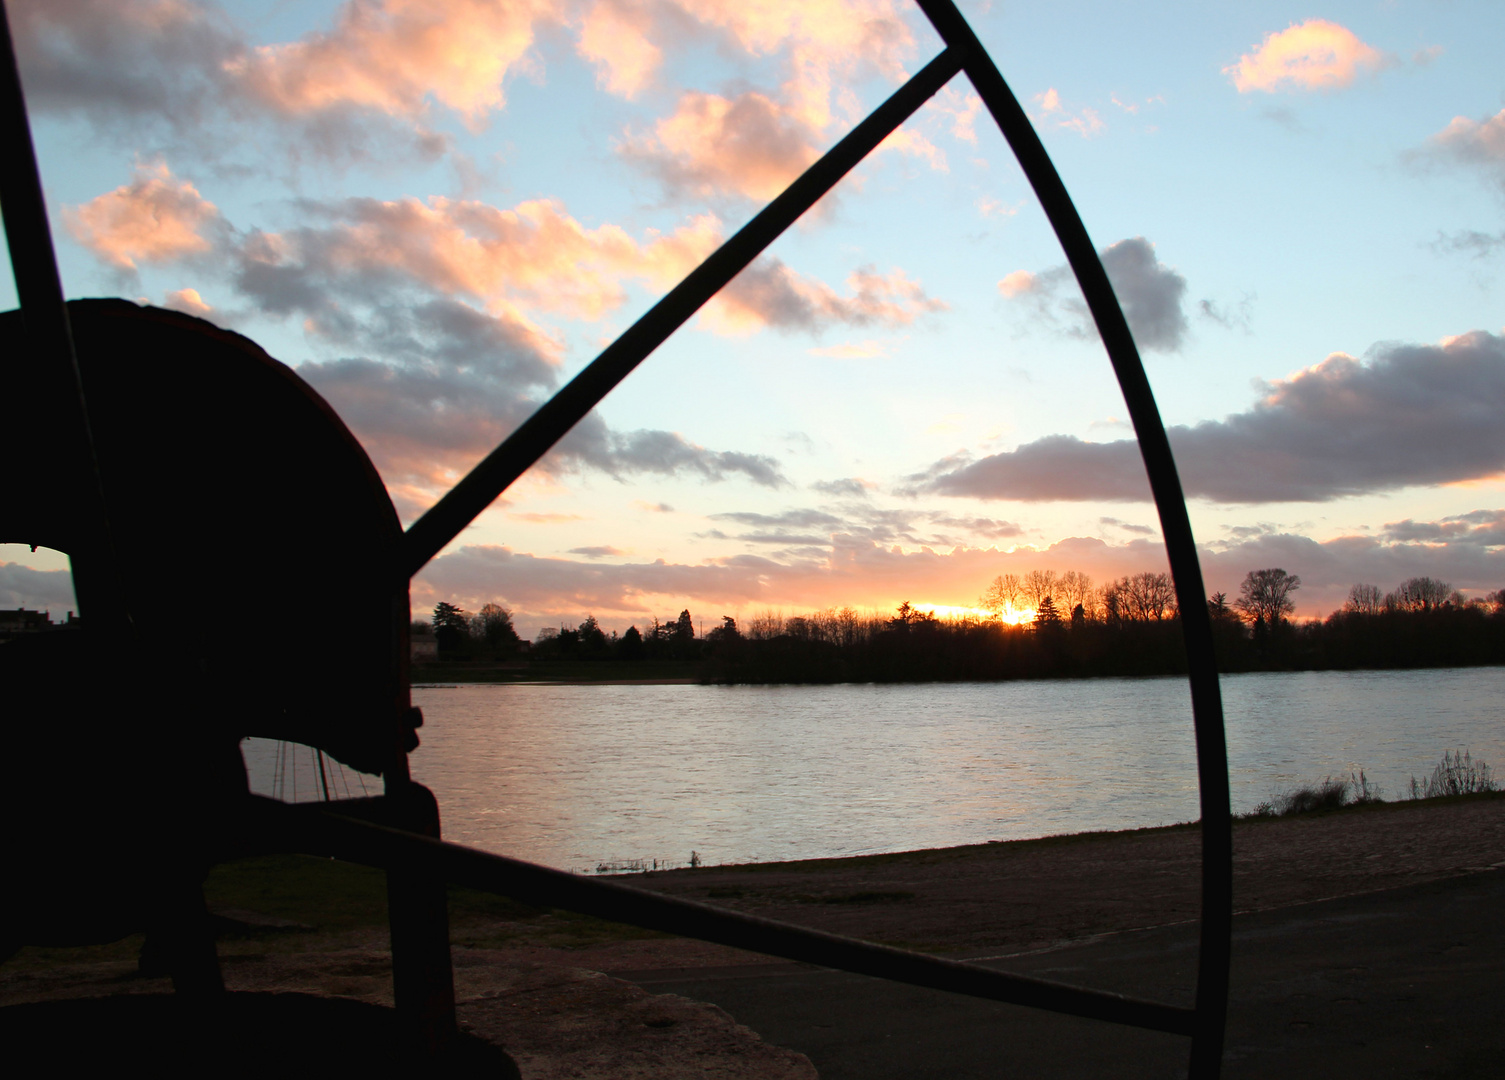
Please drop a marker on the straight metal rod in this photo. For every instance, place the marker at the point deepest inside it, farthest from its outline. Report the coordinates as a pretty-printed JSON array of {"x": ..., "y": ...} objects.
[
  {"x": 319, "y": 832},
  {"x": 460, "y": 506},
  {"x": 49, "y": 345},
  {"x": 1207, "y": 709}
]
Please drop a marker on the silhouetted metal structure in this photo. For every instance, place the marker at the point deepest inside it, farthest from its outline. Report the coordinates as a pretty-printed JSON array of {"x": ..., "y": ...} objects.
[{"x": 167, "y": 439}]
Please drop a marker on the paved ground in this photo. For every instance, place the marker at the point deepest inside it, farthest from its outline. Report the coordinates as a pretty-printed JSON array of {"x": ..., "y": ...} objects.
[{"x": 1409, "y": 982}]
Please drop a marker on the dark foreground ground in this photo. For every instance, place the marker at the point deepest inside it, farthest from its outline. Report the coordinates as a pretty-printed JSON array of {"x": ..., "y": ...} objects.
[
  {"x": 1371, "y": 941},
  {"x": 1408, "y": 982}
]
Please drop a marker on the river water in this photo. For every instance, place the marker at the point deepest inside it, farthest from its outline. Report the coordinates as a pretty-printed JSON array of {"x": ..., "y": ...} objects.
[{"x": 584, "y": 776}]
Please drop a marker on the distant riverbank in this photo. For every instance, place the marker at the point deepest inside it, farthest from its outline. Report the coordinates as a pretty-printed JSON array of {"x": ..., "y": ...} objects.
[{"x": 603, "y": 672}]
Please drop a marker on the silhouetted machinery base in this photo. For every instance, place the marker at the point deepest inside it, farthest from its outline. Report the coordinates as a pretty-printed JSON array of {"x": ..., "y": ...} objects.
[{"x": 240, "y": 1034}]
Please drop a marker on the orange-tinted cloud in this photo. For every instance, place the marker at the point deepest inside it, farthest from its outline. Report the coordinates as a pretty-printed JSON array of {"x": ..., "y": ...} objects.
[
  {"x": 532, "y": 257},
  {"x": 1084, "y": 121},
  {"x": 156, "y": 218},
  {"x": 189, "y": 302},
  {"x": 393, "y": 55},
  {"x": 908, "y": 141},
  {"x": 615, "y": 36},
  {"x": 1018, "y": 283},
  {"x": 750, "y": 146},
  {"x": 823, "y": 38},
  {"x": 1313, "y": 55},
  {"x": 770, "y": 294}
]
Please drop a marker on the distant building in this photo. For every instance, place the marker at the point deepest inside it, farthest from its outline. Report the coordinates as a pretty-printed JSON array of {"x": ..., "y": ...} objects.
[{"x": 14, "y": 623}]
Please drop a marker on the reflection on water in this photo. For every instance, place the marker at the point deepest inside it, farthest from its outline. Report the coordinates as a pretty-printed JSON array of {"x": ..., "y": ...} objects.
[{"x": 576, "y": 776}]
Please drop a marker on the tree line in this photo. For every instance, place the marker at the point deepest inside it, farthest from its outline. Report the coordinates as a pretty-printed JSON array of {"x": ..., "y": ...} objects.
[{"x": 1035, "y": 625}]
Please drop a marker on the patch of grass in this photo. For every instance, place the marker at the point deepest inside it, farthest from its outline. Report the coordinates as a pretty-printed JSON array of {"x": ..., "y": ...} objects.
[
  {"x": 1455, "y": 774},
  {"x": 331, "y": 896},
  {"x": 339, "y": 898},
  {"x": 1331, "y": 793}
]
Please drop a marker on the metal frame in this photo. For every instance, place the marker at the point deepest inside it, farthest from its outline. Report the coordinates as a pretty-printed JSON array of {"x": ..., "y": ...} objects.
[{"x": 413, "y": 858}]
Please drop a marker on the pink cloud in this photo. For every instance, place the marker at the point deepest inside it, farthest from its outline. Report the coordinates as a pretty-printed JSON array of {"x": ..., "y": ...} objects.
[
  {"x": 532, "y": 257},
  {"x": 1084, "y": 121},
  {"x": 876, "y": 575},
  {"x": 908, "y": 141},
  {"x": 393, "y": 55},
  {"x": 823, "y": 38},
  {"x": 771, "y": 294},
  {"x": 1313, "y": 55},
  {"x": 750, "y": 146},
  {"x": 156, "y": 218},
  {"x": 614, "y": 35},
  {"x": 1018, "y": 283}
]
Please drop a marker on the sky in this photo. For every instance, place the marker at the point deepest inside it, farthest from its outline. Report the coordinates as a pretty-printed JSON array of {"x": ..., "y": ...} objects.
[{"x": 438, "y": 211}]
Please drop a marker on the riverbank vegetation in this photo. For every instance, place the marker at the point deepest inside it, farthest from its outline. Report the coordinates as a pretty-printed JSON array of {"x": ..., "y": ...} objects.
[
  {"x": 1457, "y": 774},
  {"x": 1037, "y": 625}
]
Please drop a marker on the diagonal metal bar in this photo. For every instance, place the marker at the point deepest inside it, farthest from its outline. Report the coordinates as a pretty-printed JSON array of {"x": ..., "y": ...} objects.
[
  {"x": 1170, "y": 501},
  {"x": 50, "y": 342},
  {"x": 320, "y": 832},
  {"x": 459, "y": 507}
]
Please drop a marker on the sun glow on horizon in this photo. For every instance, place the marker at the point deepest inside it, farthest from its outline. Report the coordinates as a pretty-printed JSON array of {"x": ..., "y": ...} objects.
[{"x": 1011, "y": 617}]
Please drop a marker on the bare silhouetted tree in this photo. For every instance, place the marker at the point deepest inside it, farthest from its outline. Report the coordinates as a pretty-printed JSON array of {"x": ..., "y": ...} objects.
[
  {"x": 1364, "y": 599},
  {"x": 1002, "y": 595},
  {"x": 1265, "y": 596},
  {"x": 1147, "y": 597},
  {"x": 1419, "y": 594},
  {"x": 1038, "y": 585}
]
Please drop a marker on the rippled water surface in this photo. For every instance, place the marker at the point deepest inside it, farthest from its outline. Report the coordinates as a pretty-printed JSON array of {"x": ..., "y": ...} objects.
[{"x": 577, "y": 776}]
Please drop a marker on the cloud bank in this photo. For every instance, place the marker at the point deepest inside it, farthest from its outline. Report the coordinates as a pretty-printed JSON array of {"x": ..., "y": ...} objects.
[
  {"x": 1411, "y": 414},
  {"x": 439, "y": 312},
  {"x": 1467, "y": 551}
]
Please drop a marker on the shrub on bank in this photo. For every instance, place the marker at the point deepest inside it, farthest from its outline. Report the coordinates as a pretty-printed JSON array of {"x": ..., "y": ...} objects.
[
  {"x": 1330, "y": 794},
  {"x": 1455, "y": 774}
]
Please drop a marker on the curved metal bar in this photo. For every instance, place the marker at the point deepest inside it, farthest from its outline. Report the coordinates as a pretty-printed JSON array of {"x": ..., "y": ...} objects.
[
  {"x": 1207, "y": 708},
  {"x": 461, "y": 505},
  {"x": 317, "y": 831}
]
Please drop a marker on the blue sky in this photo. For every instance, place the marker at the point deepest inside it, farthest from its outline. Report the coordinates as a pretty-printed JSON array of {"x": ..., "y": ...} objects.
[{"x": 438, "y": 212}]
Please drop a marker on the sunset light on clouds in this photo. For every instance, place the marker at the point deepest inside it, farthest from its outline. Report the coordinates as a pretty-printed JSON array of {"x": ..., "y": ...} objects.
[{"x": 438, "y": 211}]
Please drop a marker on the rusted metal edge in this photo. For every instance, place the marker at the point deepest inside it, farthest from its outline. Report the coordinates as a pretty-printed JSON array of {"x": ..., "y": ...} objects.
[
  {"x": 315, "y": 831},
  {"x": 1170, "y": 501},
  {"x": 481, "y": 486}
]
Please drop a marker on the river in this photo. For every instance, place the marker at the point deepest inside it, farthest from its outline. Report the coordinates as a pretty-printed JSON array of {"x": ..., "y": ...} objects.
[{"x": 581, "y": 777}]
